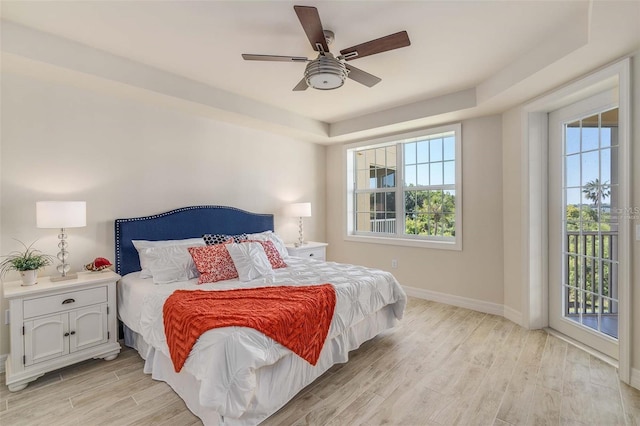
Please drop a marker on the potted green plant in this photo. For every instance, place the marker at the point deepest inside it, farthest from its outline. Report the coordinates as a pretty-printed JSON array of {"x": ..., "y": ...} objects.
[{"x": 27, "y": 262}]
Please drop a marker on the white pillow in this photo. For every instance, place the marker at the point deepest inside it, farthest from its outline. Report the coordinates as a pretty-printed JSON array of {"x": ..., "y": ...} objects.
[
  {"x": 140, "y": 245},
  {"x": 274, "y": 238},
  {"x": 168, "y": 264},
  {"x": 250, "y": 260}
]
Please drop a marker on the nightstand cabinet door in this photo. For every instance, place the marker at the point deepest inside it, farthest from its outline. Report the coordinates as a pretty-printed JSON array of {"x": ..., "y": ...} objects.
[
  {"x": 88, "y": 327},
  {"x": 44, "y": 338}
]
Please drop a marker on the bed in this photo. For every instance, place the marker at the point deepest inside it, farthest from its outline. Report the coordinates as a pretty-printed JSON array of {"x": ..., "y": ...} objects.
[{"x": 237, "y": 375}]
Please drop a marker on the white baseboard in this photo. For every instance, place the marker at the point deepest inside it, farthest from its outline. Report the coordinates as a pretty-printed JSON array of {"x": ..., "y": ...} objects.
[
  {"x": 465, "y": 302},
  {"x": 635, "y": 378},
  {"x": 3, "y": 358},
  {"x": 449, "y": 299},
  {"x": 512, "y": 315}
]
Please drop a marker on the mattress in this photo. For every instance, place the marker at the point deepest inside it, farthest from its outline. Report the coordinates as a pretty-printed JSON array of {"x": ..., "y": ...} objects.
[{"x": 239, "y": 376}]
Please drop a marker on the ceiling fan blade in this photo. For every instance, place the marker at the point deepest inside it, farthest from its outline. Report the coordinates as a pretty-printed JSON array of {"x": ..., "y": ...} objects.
[
  {"x": 362, "y": 77},
  {"x": 310, "y": 20},
  {"x": 252, "y": 57},
  {"x": 301, "y": 86},
  {"x": 379, "y": 45}
]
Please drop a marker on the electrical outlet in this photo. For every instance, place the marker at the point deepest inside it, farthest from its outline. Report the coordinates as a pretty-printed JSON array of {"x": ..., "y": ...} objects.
[
  {"x": 6, "y": 317},
  {"x": 394, "y": 263}
]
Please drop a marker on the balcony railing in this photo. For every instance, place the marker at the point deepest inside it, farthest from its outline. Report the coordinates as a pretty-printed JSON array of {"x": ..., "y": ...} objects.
[
  {"x": 591, "y": 272},
  {"x": 387, "y": 226}
]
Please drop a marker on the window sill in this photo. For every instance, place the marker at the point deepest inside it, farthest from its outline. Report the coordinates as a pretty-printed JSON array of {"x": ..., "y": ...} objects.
[{"x": 406, "y": 242}]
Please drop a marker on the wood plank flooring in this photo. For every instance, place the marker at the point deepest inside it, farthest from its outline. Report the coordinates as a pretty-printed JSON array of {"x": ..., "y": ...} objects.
[{"x": 442, "y": 365}]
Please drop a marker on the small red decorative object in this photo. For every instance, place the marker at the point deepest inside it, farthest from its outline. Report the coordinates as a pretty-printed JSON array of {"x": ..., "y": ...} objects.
[{"x": 98, "y": 264}]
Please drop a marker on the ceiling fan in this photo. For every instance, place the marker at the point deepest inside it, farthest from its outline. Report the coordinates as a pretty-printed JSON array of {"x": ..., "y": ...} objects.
[{"x": 327, "y": 71}]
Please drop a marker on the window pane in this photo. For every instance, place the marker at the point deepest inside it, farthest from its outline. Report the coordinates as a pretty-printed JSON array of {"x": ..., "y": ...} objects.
[
  {"x": 590, "y": 166},
  {"x": 448, "y": 225},
  {"x": 572, "y": 170},
  {"x": 381, "y": 157},
  {"x": 613, "y": 165},
  {"x": 410, "y": 153},
  {"x": 449, "y": 172},
  {"x": 362, "y": 179},
  {"x": 390, "y": 202},
  {"x": 370, "y": 158},
  {"x": 590, "y": 133},
  {"x": 449, "y": 201},
  {"x": 414, "y": 201},
  {"x": 436, "y": 173},
  {"x": 605, "y": 166},
  {"x": 423, "y": 174},
  {"x": 435, "y": 150},
  {"x": 435, "y": 201},
  {"x": 449, "y": 148},
  {"x": 605, "y": 137},
  {"x": 378, "y": 206},
  {"x": 363, "y": 202},
  {"x": 572, "y": 135},
  {"x": 423, "y": 152},
  {"x": 391, "y": 157},
  {"x": 363, "y": 222},
  {"x": 410, "y": 175}
]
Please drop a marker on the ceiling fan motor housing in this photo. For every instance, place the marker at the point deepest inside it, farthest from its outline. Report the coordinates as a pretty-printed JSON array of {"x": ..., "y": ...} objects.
[{"x": 325, "y": 73}]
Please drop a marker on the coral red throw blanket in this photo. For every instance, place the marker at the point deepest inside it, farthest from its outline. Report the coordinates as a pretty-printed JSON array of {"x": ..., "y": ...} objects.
[{"x": 296, "y": 317}]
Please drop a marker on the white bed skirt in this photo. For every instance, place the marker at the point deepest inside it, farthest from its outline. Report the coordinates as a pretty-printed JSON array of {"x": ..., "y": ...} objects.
[{"x": 281, "y": 387}]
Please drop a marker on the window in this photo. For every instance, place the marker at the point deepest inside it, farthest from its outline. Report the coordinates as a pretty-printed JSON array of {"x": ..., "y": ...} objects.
[{"x": 406, "y": 191}]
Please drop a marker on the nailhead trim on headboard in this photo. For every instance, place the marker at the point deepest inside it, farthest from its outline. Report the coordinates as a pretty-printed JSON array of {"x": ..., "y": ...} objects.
[{"x": 260, "y": 218}]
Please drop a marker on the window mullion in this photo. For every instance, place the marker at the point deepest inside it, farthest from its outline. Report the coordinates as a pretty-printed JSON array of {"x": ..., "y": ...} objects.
[{"x": 400, "y": 190}]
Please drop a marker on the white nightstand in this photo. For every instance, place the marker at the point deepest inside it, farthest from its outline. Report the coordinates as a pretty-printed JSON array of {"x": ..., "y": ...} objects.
[
  {"x": 55, "y": 324},
  {"x": 311, "y": 249}
]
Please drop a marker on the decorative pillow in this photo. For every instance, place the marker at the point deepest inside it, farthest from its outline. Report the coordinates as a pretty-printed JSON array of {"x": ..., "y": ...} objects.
[
  {"x": 140, "y": 245},
  {"x": 250, "y": 260},
  {"x": 213, "y": 239},
  {"x": 168, "y": 264},
  {"x": 272, "y": 254},
  {"x": 214, "y": 262},
  {"x": 274, "y": 238}
]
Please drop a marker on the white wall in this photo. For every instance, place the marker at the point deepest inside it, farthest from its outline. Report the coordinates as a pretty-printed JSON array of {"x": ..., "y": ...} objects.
[
  {"x": 128, "y": 158},
  {"x": 476, "y": 272},
  {"x": 512, "y": 212}
]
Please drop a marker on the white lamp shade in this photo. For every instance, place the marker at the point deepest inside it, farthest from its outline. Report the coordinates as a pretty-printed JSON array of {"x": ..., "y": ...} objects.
[
  {"x": 61, "y": 214},
  {"x": 299, "y": 210}
]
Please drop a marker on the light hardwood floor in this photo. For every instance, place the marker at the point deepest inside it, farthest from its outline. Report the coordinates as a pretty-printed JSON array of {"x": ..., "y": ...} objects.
[{"x": 441, "y": 366}]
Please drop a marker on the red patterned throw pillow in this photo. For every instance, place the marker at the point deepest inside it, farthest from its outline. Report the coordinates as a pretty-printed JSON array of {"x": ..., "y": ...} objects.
[
  {"x": 272, "y": 253},
  {"x": 214, "y": 262}
]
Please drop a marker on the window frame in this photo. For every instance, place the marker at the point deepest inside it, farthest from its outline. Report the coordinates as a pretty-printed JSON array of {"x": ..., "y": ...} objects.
[{"x": 400, "y": 238}]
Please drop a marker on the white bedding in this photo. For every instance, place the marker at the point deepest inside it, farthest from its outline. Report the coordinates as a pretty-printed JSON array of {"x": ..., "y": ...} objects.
[{"x": 244, "y": 375}]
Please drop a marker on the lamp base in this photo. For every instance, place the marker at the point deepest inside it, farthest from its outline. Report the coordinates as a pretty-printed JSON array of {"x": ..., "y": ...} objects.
[{"x": 64, "y": 278}]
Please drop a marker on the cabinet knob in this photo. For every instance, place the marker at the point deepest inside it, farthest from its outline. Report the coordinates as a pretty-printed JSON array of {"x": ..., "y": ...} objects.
[
  {"x": 65, "y": 301},
  {"x": 73, "y": 332},
  {"x": 310, "y": 254},
  {"x": 66, "y": 334}
]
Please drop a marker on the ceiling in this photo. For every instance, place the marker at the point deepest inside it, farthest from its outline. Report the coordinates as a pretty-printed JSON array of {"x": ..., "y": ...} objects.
[{"x": 466, "y": 58}]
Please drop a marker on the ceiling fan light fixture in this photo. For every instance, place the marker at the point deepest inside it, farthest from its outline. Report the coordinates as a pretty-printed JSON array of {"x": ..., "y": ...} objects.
[{"x": 325, "y": 73}]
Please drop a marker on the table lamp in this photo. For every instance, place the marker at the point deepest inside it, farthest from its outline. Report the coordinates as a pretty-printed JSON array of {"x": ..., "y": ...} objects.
[
  {"x": 299, "y": 210},
  {"x": 62, "y": 215}
]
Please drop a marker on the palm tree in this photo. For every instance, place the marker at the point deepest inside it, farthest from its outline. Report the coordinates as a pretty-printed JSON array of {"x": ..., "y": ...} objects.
[{"x": 597, "y": 192}]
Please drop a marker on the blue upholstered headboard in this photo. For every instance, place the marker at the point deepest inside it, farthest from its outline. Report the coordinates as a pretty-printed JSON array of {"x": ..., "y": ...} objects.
[{"x": 186, "y": 222}]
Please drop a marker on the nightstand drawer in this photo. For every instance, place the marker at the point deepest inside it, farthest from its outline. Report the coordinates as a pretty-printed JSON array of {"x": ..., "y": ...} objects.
[
  {"x": 64, "y": 301},
  {"x": 316, "y": 253}
]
